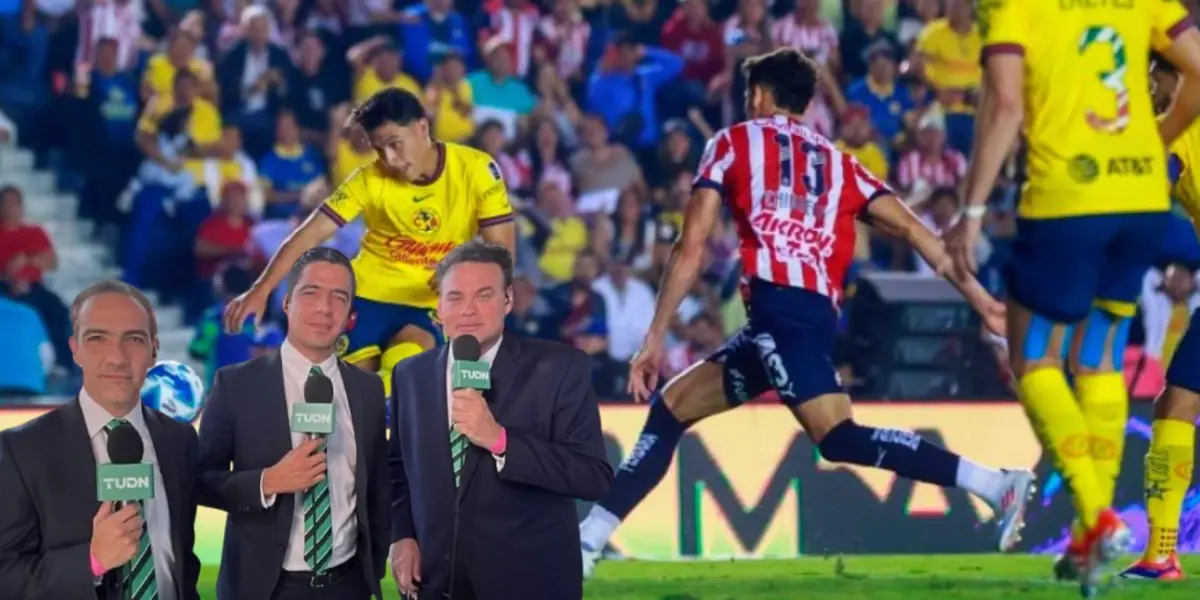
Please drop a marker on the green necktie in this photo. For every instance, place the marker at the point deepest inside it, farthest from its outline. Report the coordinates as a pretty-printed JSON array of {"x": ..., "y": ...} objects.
[
  {"x": 458, "y": 452},
  {"x": 137, "y": 576},
  {"x": 318, "y": 517}
]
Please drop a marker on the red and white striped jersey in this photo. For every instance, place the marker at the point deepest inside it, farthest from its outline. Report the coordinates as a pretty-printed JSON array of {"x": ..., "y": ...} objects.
[{"x": 794, "y": 198}]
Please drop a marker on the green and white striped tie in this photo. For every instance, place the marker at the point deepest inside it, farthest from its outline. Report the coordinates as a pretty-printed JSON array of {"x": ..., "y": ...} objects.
[
  {"x": 458, "y": 452},
  {"x": 137, "y": 576},
  {"x": 318, "y": 517}
]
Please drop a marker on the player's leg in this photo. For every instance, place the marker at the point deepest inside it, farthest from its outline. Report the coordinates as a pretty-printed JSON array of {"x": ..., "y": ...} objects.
[
  {"x": 1169, "y": 460},
  {"x": 416, "y": 334},
  {"x": 724, "y": 381},
  {"x": 360, "y": 345},
  {"x": 794, "y": 342}
]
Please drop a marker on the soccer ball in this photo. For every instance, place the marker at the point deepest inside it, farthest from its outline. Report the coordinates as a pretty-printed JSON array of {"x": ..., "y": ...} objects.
[{"x": 175, "y": 389}]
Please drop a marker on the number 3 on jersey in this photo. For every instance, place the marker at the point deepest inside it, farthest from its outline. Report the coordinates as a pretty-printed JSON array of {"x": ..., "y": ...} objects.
[{"x": 1113, "y": 79}]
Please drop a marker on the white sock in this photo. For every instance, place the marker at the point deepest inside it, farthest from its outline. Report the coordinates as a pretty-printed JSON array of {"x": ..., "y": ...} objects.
[
  {"x": 985, "y": 482},
  {"x": 595, "y": 530}
]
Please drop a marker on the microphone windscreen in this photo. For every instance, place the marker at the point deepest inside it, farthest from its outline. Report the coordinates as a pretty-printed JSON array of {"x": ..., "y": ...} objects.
[
  {"x": 466, "y": 347},
  {"x": 318, "y": 389},
  {"x": 124, "y": 445}
]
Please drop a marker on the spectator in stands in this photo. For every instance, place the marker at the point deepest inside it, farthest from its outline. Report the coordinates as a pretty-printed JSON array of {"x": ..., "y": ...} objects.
[
  {"x": 1169, "y": 296},
  {"x": 210, "y": 343},
  {"x": 253, "y": 78},
  {"x": 432, "y": 28},
  {"x": 490, "y": 138},
  {"x": 702, "y": 336},
  {"x": 26, "y": 356},
  {"x": 450, "y": 100},
  {"x": 864, "y": 31},
  {"x": 558, "y": 233},
  {"x": 544, "y": 157},
  {"x": 26, "y": 255},
  {"x": 948, "y": 52},
  {"x": 627, "y": 237},
  {"x": 623, "y": 92},
  {"x": 512, "y": 22},
  {"x": 576, "y": 314},
  {"x": 923, "y": 13},
  {"x": 116, "y": 21},
  {"x": 931, "y": 164},
  {"x": 24, "y": 41},
  {"x": 498, "y": 94},
  {"x": 189, "y": 115},
  {"x": 889, "y": 103},
  {"x": 858, "y": 139},
  {"x": 159, "y": 78},
  {"x": 939, "y": 215},
  {"x": 348, "y": 147},
  {"x": 224, "y": 236},
  {"x": 108, "y": 123},
  {"x": 288, "y": 168},
  {"x": 376, "y": 65},
  {"x": 676, "y": 154},
  {"x": 315, "y": 87},
  {"x": 562, "y": 40},
  {"x": 629, "y": 306},
  {"x": 557, "y": 103},
  {"x": 805, "y": 30},
  {"x": 600, "y": 164},
  {"x": 692, "y": 34},
  {"x": 528, "y": 308}
]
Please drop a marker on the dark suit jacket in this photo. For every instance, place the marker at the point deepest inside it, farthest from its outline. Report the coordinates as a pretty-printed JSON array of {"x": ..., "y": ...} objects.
[
  {"x": 517, "y": 529},
  {"x": 48, "y": 500},
  {"x": 233, "y": 66},
  {"x": 246, "y": 426}
]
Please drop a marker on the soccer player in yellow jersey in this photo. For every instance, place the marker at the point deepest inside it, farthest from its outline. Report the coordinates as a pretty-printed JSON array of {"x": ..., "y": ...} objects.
[
  {"x": 1172, "y": 444},
  {"x": 418, "y": 201},
  {"x": 1075, "y": 73}
]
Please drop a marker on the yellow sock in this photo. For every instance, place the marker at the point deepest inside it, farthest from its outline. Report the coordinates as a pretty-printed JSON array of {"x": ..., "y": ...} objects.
[
  {"x": 1057, "y": 419},
  {"x": 391, "y": 357},
  {"x": 1105, "y": 405},
  {"x": 1168, "y": 474}
]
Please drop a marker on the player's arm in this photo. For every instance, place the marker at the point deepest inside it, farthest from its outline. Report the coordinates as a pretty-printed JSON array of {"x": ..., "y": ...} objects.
[
  {"x": 1175, "y": 36},
  {"x": 700, "y": 215},
  {"x": 997, "y": 123},
  {"x": 891, "y": 215},
  {"x": 497, "y": 223}
]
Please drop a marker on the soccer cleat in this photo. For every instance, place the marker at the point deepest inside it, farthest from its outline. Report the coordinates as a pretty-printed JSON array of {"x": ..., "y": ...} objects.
[
  {"x": 1018, "y": 490},
  {"x": 590, "y": 558},
  {"x": 1064, "y": 568},
  {"x": 1168, "y": 569},
  {"x": 1097, "y": 548}
]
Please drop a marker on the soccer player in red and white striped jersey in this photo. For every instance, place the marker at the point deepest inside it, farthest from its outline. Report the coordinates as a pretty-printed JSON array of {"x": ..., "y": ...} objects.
[{"x": 794, "y": 198}]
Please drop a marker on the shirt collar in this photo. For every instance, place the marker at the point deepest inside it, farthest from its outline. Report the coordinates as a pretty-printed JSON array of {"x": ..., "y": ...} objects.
[
  {"x": 488, "y": 357},
  {"x": 294, "y": 360},
  {"x": 95, "y": 417}
]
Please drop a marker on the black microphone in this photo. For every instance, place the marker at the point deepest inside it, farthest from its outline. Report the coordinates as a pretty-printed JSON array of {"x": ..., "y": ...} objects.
[
  {"x": 467, "y": 371},
  {"x": 125, "y": 477},
  {"x": 315, "y": 414}
]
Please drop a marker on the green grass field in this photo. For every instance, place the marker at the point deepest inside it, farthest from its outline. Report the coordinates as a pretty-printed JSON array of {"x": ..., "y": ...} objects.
[{"x": 849, "y": 578}]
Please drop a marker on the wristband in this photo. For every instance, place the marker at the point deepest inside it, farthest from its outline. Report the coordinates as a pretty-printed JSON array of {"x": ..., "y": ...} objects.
[
  {"x": 501, "y": 444},
  {"x": 975, "y": 211},
  {"x": 97, "y": 568}
]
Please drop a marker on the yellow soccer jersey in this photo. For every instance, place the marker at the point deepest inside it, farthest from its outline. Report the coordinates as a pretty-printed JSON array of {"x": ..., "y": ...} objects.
[
  {"x": 1184, "y": 162},
  {"x": 410, "y": 226},
  {"x": 1094, "y": 146}
]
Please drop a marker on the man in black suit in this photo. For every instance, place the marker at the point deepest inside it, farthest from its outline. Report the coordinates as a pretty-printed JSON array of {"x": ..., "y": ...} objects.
[
  {"x": 57, "y": 541},
  {"x": 281, "y": 490},
  {"x": 508, "y": 528}
]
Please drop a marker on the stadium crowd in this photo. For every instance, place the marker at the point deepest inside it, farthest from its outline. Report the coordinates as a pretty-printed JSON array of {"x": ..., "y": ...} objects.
[{"x": 199, "y": 134}]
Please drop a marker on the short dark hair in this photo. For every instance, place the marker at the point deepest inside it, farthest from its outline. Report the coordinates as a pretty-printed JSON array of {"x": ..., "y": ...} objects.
[
  {"x": 320, "y": 254},
  {"x": 112, "y": 286},
  {"x": 390, "y": 105},
  {"x": 183, "y": 75},
  {"x": 476, "y": 251},
  {"x": 789, "y": 75}
]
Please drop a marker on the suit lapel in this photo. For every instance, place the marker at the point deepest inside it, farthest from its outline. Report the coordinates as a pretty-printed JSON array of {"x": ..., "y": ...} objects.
[
  {"x": 168, "y": 459},
  {"x": 79, "y": 462},
  {"x": 358, "y": 418},
  {"x": 507, "y": 372},
  {"x": 277, "y": 430},
  {"x": 436, "y": 415}
]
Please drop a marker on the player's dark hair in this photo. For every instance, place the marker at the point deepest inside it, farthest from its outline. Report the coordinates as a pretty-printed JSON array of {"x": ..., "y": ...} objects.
[
  {"x": 477, "y": 251},
  {"x": 390, "y": 105},
  {"x": 787, "y": 74},
  {"x": 320, "y": 254}
]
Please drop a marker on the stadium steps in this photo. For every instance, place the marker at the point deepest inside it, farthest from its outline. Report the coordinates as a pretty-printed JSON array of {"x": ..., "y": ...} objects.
[{"x": 81, "y": 261}]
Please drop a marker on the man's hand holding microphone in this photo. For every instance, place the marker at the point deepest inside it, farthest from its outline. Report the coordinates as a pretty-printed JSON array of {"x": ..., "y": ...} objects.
[
  {"x": 304, "y": 466},
  {"x": 122, "y": 484}
]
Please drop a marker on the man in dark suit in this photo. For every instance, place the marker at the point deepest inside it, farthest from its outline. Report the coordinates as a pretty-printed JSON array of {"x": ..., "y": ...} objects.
[
  {"x": 303, "y": 523},
  {"x": 56, "y": 539},
  {"x": 507, "y": 528}
]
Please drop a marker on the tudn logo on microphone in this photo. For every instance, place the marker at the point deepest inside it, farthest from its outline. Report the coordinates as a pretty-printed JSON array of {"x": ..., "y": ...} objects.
[
  {"x": 312, "y": 417},
  {"x": 471, "y": 374},
  {"x": 122, "y": 483}
]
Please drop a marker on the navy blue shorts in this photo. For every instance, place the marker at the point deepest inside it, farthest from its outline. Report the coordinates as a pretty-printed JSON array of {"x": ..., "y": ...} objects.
[
  {"x": 376, "y": 323},
  {"x": 787, "y": 346},
  {"x": 1184, "y": 370},
  {"x": 1061, "y": 268}
]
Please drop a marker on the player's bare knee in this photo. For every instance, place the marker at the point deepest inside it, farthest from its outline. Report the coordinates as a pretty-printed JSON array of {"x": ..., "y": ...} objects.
[
  {"x": 696, "y": 394},
  {"x": 1178, "y": 404},
  {"x": 822, "y": 414}
]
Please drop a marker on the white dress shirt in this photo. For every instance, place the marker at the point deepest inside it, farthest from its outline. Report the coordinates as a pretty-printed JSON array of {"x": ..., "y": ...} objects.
[
  {"x": 488, "y": 357},
  {"x": 342, "y": 459},
  {"x": 157, "y": 509}
]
